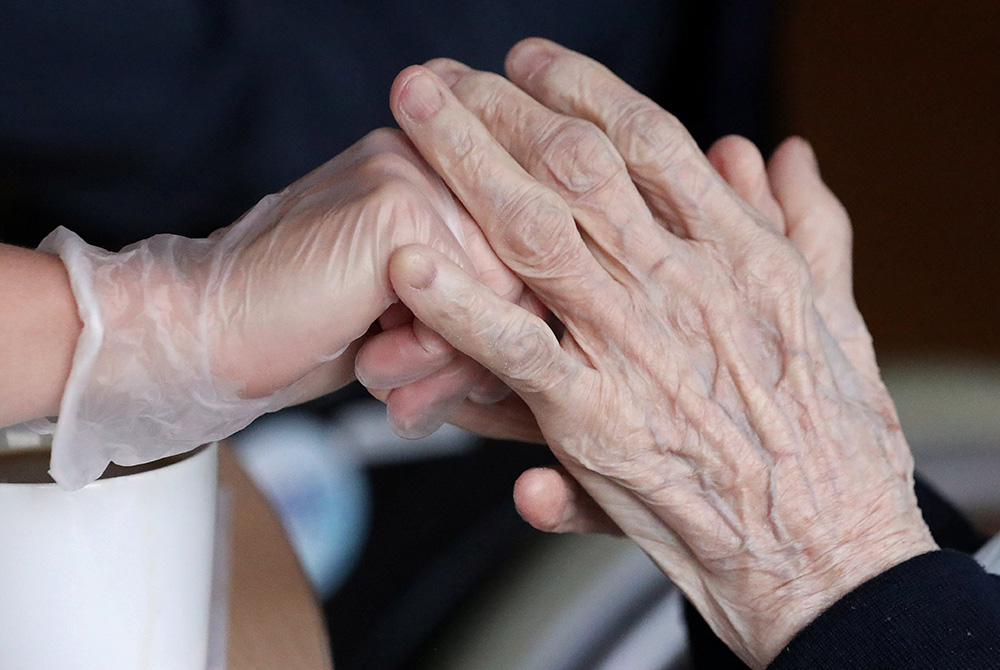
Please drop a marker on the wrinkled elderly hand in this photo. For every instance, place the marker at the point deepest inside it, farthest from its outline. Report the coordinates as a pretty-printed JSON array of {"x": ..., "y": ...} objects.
[
  {"x": 790, "y": 193},
  {"x": 698, "y": 393},
  {"x": 188, "y": 340}
]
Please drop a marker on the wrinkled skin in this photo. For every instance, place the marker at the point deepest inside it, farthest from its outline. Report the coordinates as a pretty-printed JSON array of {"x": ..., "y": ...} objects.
[
  {"x": 713, "y": 389},
  {"x": 791, "y": 194}
]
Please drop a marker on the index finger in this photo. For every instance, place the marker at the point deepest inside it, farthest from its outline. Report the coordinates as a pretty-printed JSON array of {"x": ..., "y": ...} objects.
[
  {"x": 679, "y": 183},
  {"x": 528, "y": 225}
]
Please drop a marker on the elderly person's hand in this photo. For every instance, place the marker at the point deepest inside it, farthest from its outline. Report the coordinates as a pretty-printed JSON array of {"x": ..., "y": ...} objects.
[
  {"x": 698, "y": 393},
  {"x": 188, "y": 340},
  {"x": 790, "y": 193}
]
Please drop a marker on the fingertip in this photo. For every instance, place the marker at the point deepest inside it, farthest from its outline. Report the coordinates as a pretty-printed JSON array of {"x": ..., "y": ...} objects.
[
  {"x": 369, "y": 381},
  {"x": 799, "y": 143},
  {"x": 793, "y": 154},
  {"x": 412, "y": 425},
  {"x": 489, "y": 392},
  {"x": 412, "y": 431},
  {"x": 525, "y": 46},
  {"x": 379, "y": 394},
  {"x": 737, "y": 159},
  {"x": 818, "y": 224},
  {"x": 399, "y": 82},
  {"x": 413, "y": 267},
  {"x": 541, "y": 499},
  {"x": 528, "y": 57},
  {"x": 740, "y": 163},
  {"x": 416, "y": 94},
  {"x": 728, "y": 145},
  {"x": 420, "y": 408}
]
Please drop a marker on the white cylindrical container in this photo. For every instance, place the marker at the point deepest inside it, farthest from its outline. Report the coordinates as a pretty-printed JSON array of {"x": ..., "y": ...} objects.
[{"x": 114, "y": 576}]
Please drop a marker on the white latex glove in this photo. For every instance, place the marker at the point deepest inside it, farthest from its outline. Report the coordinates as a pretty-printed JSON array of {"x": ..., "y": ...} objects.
[{"x": 186, "y": 341}]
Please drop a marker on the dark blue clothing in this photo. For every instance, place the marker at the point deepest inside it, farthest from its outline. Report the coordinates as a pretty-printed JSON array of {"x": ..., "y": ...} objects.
[
  {"x": 123, "y": 119},
  {"x": 939, "y": 611}
]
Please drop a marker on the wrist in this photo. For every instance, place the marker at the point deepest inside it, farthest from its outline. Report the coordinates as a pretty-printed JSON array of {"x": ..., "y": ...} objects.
[
  {"x": 43, "y": 328},
  {"x": 848, "y": 567},
  {"x": 138, "y": 389}
]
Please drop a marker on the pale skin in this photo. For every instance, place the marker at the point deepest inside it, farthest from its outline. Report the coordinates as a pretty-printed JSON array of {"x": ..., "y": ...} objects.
[
  {"x": 790, "y": 192},
  {"x": 38, "y": 334},
  {"x": 314, "y": 281},
  {"x": 713, "y": 390}
]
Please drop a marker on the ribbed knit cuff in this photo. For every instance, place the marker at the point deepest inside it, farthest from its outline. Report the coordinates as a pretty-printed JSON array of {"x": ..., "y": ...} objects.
[{"x": 940, "y": 610}]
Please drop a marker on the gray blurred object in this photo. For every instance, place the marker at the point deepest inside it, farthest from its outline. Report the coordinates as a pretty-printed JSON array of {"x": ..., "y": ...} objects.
[
  {"x": 21, "y": 437},
  {"x": 950, "y": 412},
  {"x": 570, "y": 603}
]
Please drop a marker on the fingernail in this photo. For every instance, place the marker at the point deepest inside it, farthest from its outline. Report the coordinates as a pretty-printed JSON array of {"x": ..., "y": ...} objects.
[
  {"x": 448, "y": 70},
  {"x": 430, "y": 420},
  {"x": 421, "y": 98},
  {"x": 420, "y": 271},
  {"x": 385, "y": 381},
  {"x": 527, "y": 59},
  {"x": 489, "y": 394}
]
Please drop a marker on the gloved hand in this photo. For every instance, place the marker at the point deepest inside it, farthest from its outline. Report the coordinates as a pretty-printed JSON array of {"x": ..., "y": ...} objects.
[{"x": 186, "y": 341}]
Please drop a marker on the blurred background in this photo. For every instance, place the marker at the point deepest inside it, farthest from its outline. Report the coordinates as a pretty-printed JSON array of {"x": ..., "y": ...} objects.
[
  {"x": 899, "y": 100},
  {"x": 121, "y": 120}
]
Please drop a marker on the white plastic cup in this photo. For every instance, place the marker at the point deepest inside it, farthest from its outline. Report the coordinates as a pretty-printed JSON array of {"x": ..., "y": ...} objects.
[{"x": 115, "y": 576}]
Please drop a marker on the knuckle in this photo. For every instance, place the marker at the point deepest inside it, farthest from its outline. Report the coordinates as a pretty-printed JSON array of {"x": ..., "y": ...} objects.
[
  {"x": 388, "y": 167},
  {"x": 697, "y": 195},
  {"x": 467, "y": 156},
  {"x": 783, "y": 272},
  {"x": 385, "y": 139},
  {"x": 653, "y": 136},
  {"x": 398, "y": 209},
  {"x": 745, "y": 160},
  {"x": 394, "y": 191},
  {"x": 580, "y": 157},
  {"x": 482, "y": 91},
  {"x": 530, "y": 361},
  {"x": 542, "y": 233}
]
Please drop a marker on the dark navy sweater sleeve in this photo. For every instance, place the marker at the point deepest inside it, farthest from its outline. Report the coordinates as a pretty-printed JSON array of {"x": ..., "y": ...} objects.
[{"x": 940, "y": 610}]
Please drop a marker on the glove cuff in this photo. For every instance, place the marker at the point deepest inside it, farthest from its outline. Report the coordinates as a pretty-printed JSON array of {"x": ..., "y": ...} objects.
[{"x": 140, "y": 387}]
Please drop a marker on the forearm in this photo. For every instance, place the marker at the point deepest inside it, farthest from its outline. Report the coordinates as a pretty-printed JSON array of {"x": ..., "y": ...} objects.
[{"x": 38, "y": 333}]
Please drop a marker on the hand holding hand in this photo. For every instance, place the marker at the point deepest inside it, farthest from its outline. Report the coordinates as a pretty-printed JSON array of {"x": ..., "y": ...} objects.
[
  {"x": 186, "y": 341},
  {"x": 698, "y": 393}
]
